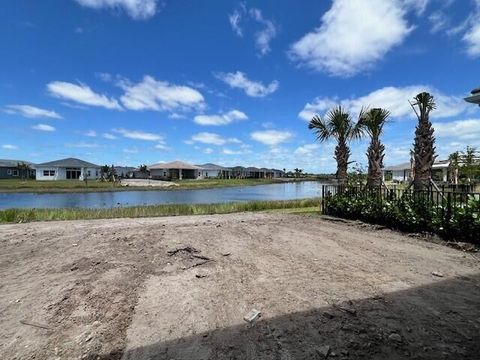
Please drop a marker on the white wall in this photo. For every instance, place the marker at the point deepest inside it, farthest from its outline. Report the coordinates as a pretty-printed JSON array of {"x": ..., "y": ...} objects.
[
  {"x": 61, "y": 173},
  {"x": 209, "y": 173}
]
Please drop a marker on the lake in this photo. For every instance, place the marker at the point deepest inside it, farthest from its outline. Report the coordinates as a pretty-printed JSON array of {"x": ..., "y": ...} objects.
[{"x": 283, "y": 191}]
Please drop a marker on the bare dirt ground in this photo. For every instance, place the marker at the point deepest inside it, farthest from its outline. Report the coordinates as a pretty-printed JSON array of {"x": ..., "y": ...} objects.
[{"x": 179, "y": 287}]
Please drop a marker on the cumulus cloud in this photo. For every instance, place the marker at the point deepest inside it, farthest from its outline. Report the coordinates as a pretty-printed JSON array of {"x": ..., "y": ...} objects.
[
  {"x": 9, "y": 147},
  {"x": 90, "y": 133},
  {"x": 271, "y": 137},
  {"x": 152, "y": 94},
  {"x": 395, "y": 99},
  {"x": 234, "y": 20},
  {"x": 353, "y": 36},
  {"x": 43, "y": 127},
  {"x": 137, "y": 9},
  {"x": 239, "y": 80},
  {"x": 82, "y": 94},
  {"x": 212, "y": 139},
  {"x": 31, "y": 112},
  {"x": 222, "y": 119},
  {"x": 138, "y": 135},
  {"x": 468, "y": 129}
]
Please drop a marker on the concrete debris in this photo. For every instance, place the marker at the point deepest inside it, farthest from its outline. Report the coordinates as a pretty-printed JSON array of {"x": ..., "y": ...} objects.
[
  {"x": 437, "y": 274},
  {"x": 323, "y": 351},
  {"x": 252, "y": 316}
]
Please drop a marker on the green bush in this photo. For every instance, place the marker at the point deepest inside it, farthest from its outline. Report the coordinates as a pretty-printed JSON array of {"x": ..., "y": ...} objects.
[{"x": 460, "y": 220}]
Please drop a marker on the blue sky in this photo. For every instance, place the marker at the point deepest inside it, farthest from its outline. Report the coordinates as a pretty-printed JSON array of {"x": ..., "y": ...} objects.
[{"x": 142, "y": 81}]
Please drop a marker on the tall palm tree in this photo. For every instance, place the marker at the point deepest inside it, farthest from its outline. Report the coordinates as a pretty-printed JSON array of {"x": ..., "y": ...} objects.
[
  {"x": 424, "y": 144},
  {"x": 374, "y": 121},
  {"x": 338, "y": 125}
]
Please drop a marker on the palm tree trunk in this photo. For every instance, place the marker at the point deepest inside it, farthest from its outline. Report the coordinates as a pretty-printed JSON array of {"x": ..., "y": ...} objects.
[
  {"x": 375, "y": 163},
  {"x": 342, "y": 153}
]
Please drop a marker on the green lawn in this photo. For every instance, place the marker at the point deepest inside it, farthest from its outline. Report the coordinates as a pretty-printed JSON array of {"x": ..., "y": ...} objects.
[
  {"x": 17, "y": 185},
  {"x": 306, "y": 206}
]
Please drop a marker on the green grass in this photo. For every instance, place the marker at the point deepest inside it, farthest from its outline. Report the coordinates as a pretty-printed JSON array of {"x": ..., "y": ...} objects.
[
  {"x": 28, "y": 215},
  {"x": 17, "y": 185}
]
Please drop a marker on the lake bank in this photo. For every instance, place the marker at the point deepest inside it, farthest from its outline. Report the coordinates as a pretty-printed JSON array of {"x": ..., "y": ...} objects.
[
  {"x": 73, "y": 186},
  {"x": 31, "y": 215}
]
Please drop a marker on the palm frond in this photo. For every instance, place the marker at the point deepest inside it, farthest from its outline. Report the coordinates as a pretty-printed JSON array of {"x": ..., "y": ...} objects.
[{"x": 320, "y": 127}]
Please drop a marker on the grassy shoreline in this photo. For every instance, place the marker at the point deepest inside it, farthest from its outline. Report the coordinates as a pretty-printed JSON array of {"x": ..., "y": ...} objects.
[
  {"x": 68, "y": 186},
  {"x": 30, "y": 215}
]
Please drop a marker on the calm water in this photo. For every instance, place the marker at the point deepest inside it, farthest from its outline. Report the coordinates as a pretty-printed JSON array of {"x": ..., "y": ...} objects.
[{"x": 288, "y": 191}]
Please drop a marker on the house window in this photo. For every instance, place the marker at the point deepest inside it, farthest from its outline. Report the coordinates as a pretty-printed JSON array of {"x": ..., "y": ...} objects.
[
  {"x": 164, "y": 173},
  {"x": 96, "y": 173},
  {"x": 48, "y": 172},
  {"x": 73, "y": 173},
  {"x": 88, "y": 173},
  {"x": 14, "y": 172}
]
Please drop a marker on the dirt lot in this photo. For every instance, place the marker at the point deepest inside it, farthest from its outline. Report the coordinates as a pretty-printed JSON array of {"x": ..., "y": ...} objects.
[{"x": 179, "y": 287}]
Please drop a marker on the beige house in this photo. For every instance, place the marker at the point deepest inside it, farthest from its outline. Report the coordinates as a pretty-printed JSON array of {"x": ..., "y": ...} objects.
[{"x": 175, "y": 170}]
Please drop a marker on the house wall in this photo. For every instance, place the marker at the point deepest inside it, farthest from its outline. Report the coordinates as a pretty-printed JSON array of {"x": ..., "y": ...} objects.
[
  {"x": 61, "y": 173},
  {"x": 168, "y": 174},
  {"x": 204, "y": 174},
  {"x": 8, "y": 173}
]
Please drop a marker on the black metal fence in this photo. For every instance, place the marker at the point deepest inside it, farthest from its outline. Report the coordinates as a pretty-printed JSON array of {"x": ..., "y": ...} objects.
[
  {"x": 447, "y": 197},
  {"x": 451, "y": 213}
]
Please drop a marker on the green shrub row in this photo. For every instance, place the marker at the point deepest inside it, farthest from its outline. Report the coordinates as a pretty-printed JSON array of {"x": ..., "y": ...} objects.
[{"x": 459, "y": 221}]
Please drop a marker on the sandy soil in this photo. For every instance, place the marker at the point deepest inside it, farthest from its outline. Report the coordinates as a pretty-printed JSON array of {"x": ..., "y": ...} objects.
[
  {"x": 179, "y": 287},
  {"x": 147, "y": 183}
]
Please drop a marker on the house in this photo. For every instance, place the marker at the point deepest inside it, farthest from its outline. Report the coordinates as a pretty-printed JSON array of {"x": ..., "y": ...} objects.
[
  {"x": 124, "y": 171},
  {"x": 175, "y": 170},
  {"x": 9, "y": 169},
  {"x": 67, "y": 169},
  {"x": 403, "y": 172},
  {"x": 210, "y": 170}
]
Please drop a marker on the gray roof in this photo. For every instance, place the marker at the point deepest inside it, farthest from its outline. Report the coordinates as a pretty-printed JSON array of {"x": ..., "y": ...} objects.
[
  {"x": 399, "y": 167},
  {"x": 13, "y": 163},
  {"x": 68, "y": 162},
  {"x": 174, "y": 165},
  {"x": 210, "y": 166}
]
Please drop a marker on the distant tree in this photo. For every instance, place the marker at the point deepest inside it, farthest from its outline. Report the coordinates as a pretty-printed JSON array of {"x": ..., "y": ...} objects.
[
  {"x": 374, "y": 121},
  {"x": 143, "y": 168},
  {"x": 24, "y": 170},
  {"x": 471, "y": 164},
  {"x": 338, "y": 125},
  {"x": 424, "y": 143},
  {"x": 104, "y": 170}
]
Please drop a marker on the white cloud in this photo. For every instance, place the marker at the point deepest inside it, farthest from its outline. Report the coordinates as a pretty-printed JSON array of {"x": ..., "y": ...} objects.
[
  {"x": 109, "y": 136},
  {"x": 82, "y": 94},
  {"x": 472, "y": 39},
  {"x": 234, "y": 20},
  {"x": 223, "y": 119},
  {"x": 138, "y": 135},
  {"x": 90, "y": 133},
  {"x": 151, "y": 94},
  {"x": 353, "y": 36},
  {"x": 137, "y": 9},
  {"x": 242, "y": 151},
  {"x": 461, "y": 129},
  {"x": 211, "y": 139},
  {"x": 252, "y": 88},
  {"x": 439, "y": 21},
  {"x": 264, "y": 36},
  {"x": 162, "y": 146},
  {"x": 306, "y": 150},
  {"x": 43, "y": 127},
  {"x": 9, "y": 147},
  {"x": 31, "y": 112},
  {"x": 207, "y": 151},
  {"x": 394, "y": 99},
  {"x": 271, "y": 137}
]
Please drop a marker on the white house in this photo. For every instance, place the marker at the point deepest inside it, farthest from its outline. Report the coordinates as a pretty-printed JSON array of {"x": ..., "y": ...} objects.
[
  {"x": 403, "y": 172},
  {"x": 67, "y": 169}
]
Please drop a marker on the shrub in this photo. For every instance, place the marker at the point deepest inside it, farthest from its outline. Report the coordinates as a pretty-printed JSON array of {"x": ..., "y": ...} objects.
[{"x": 412, "y": 212}]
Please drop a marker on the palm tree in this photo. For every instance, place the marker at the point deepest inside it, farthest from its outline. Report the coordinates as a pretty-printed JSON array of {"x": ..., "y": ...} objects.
[
  {"x": 424, "y": 144},
  {"x": 373, "y": 121},
  {"x": 454, "y": 159},
  {"x": 24, "y": 170},
  {"x": 337, "y": 125}
]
